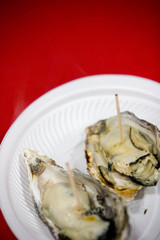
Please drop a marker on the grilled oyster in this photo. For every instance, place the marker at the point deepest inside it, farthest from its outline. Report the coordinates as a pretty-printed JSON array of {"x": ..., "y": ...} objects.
[
  {"x": 127, "y": 166},
  {"x": 103, "y": 214}
]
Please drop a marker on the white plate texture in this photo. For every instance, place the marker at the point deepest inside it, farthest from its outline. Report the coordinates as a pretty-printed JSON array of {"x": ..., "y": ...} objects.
[{"x": 54, "y": 125}]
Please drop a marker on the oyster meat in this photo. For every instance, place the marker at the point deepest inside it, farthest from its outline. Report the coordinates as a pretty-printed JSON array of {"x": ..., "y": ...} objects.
[
  {"x": 126, "y": 167},
  {"x": 103, "y": 214}
]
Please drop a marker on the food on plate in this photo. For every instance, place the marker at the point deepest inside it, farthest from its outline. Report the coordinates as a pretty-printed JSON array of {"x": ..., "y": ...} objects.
[
  {"x": 103, "y": 214},
  {"x": 124, "y": 166}
]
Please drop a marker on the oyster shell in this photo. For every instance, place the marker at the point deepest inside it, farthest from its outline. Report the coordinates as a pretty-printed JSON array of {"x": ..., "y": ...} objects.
[
  {"x": 127, "y": 166},
  {"x": 103, "y": 214}
]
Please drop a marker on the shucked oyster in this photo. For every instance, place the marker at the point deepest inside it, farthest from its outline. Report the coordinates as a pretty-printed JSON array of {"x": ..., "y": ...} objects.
[
  {"x": 127, "y": 166},
  {"x": 102, "y": 215}
]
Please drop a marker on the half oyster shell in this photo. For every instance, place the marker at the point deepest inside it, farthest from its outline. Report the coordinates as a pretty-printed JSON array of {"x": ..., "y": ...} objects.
[
  {"x": 103, "y": 214},
  {"x": 127, "y": 166}
]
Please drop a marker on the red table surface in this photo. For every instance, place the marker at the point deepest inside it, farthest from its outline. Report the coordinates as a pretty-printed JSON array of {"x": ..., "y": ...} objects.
[{"x": 44, "y": 44}]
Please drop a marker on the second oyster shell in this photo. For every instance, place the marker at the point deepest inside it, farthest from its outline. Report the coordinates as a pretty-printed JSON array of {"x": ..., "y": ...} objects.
[{"x": 103, "y": 214}]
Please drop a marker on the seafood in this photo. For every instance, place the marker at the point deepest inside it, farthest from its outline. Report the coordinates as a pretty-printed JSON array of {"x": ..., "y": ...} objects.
[
  {"x": 103, "y": 214},
  {"x": 125, "y": 167}
]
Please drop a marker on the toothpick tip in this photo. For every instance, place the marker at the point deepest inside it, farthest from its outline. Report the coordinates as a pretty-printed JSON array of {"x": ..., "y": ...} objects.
[
  {"x": 67, "y": 163},
  {"x": 73, "y": 185}
]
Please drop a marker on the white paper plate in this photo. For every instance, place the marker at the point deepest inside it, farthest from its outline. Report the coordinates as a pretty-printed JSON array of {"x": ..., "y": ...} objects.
[{"x": 54, "y": 124}]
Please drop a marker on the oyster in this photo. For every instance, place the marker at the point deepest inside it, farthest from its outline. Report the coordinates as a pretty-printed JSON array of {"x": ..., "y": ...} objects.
[
  {"x": 126, "y": 167},
  {"x": 103, "y": 214}
]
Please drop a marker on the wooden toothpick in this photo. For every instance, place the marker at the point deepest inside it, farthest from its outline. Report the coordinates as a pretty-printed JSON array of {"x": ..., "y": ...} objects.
[
  {"x": 73, "y": 185},
  {"x": 119, "y": 117}
]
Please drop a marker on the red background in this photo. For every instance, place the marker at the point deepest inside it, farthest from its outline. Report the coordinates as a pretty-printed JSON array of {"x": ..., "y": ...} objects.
[{"x": 46, "y": 43}]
